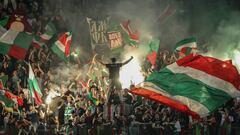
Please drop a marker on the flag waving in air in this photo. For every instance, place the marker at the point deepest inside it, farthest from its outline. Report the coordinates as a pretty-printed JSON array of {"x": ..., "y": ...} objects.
[
  {"x": 7, "y": 102},
  {"x": 153, "y": 49},
  {"x": 186, "y": 46},
  {"x": 13, "y": 97},
  {"x": 195, "y": 84},
  {"x": 15, "y": 43},
  {"x": 129, "y": 37},
  {"x": 62, "y": 46},
  {"x": 48, "y": 33},
  {"x": 35, "y": 91}
]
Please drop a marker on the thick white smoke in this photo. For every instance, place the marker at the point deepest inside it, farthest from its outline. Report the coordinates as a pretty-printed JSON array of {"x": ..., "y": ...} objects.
[
  {"x": 225, "y": 44},
  {"x": 213, "y": 23}
]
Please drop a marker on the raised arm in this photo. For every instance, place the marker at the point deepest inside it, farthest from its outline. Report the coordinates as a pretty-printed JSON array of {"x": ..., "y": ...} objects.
[
  {"x": 40, "y": 68},
  {"x": 39, "y": 53},
  {"x": 126, "y": 62},
  {"x": 31, "y": 56}
]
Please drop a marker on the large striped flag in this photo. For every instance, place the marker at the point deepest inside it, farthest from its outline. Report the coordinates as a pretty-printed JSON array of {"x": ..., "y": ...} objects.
[
  {"x": 48, "y": 33},
  {"x": 34, "y": 89},
  {"x": 195, "y": 84},
  {"x": 62, "y": 46},
  {"x": 128, "y": 36},
  {"x": 186, "y": 46},
  {"x": 15, "y": 44}
]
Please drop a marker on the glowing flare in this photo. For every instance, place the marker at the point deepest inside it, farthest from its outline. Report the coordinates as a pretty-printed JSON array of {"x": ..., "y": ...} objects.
[
  {"x": 48, "y": 99},
  {"x": 50, "y": 96},
  {"x": 131, "y": 74},
  {"x": 74, "y": 54},
  {"x": 224, "y": 65}
]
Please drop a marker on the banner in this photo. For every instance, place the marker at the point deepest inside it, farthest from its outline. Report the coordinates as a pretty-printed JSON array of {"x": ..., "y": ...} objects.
[
  {"x": 114, "y": 39},
  {"x": 98, "y": 31}
]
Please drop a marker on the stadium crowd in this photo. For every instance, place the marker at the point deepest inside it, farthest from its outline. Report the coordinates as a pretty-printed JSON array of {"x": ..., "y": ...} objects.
[{"x": 83, "y": 107}]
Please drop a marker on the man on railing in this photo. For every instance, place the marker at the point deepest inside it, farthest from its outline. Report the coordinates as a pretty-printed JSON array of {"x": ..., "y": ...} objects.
[{"x": 114, "y": 69}]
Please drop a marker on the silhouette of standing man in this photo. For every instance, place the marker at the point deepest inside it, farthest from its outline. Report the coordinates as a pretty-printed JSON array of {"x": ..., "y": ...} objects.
[{"x": 114, "y": 69}]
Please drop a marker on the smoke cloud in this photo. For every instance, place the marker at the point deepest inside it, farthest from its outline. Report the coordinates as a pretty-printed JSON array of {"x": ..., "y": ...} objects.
[
  {"x": 225, "y": 43},
  {"x": 215, "y": 23}
]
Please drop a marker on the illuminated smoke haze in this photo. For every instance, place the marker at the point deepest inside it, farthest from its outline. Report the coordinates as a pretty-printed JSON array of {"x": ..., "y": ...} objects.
[{"x": 215, "y": 23}]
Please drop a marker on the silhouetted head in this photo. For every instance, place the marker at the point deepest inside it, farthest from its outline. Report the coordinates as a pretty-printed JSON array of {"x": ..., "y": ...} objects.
[{"x": 113, "y": 60}]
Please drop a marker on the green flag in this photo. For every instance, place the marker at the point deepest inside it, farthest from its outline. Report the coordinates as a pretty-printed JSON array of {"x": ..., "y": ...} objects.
[
  {"x": 4, "y": 100},
  {"x": 152, "y": 51},
  {"x": 3, "y": 80}
]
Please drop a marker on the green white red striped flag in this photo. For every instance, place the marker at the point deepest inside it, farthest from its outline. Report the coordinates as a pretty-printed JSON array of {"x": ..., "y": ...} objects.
[
  {"x": 153, "y": 49},
  {"x": 15, "y": 44},
  {"x": 13, "y": 97},
  {"x": 49, "y": 32},
  {"x": 34, "y": 89},
  {"x": 186, "y": 46},
  {"x": 37, "y": 42},
  {"x": 129, "y": 37},
  {"x": 9, "y": 99},
  {"x": 195, "y": 84},
  {"x": 4, "y": 100},
  {"x": 62, "y": 46}
]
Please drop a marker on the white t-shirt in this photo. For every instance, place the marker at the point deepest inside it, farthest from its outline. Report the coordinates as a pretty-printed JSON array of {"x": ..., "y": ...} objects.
[
  {"x": 223, "y": 119},
  {"x": 177, "y": 126},
  {"x": 231, "y": 118}
]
